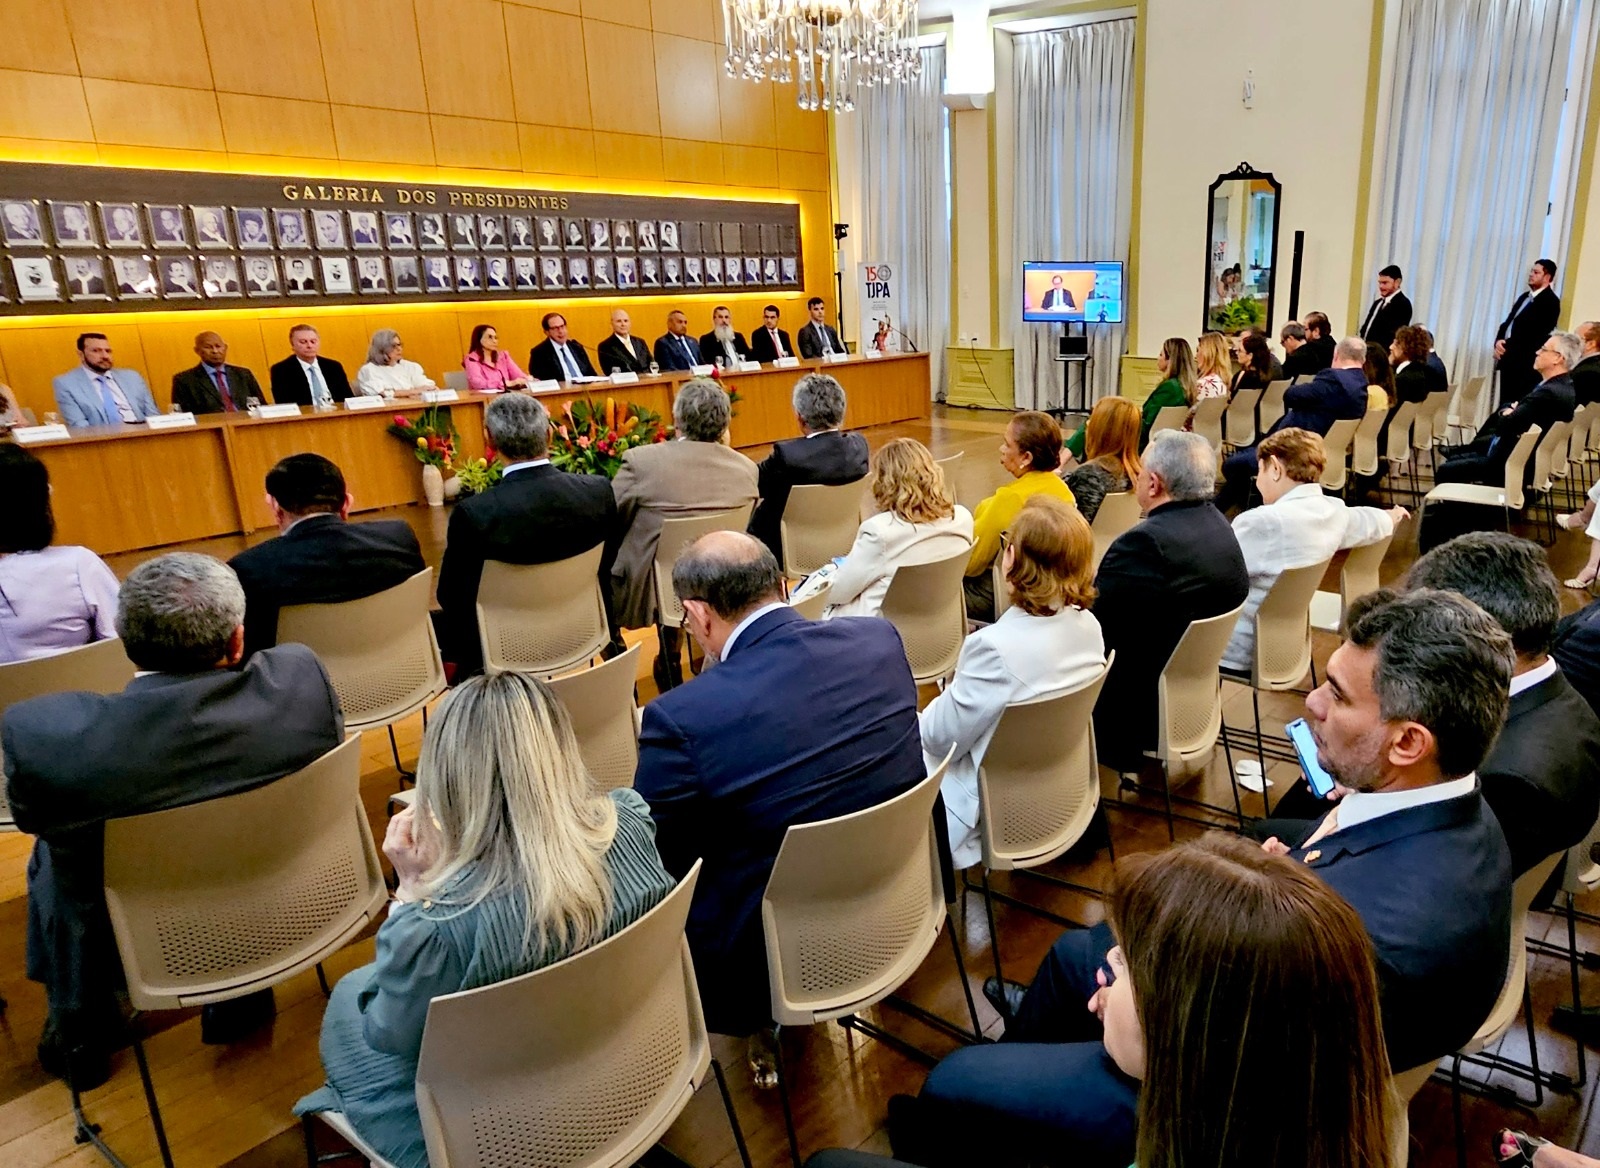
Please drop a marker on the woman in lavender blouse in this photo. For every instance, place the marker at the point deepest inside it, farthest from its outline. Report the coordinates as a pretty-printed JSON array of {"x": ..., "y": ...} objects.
[{"x": 51, "y": 598}]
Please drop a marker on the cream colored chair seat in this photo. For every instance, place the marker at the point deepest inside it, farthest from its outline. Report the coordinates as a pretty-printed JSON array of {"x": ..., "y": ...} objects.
[
  {"x": 543, "y": 619},
  {"x": 928, "y": 607},
  {"x": 605, "y": 717},
  {"x": 819, "y": 522}
]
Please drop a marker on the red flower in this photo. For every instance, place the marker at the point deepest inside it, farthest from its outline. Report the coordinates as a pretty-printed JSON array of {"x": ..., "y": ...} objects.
[{"x": 402, "y": 420}]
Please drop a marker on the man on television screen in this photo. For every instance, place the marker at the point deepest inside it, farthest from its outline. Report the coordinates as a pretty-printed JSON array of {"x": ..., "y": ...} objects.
[{"x": 1058, "y": 299}]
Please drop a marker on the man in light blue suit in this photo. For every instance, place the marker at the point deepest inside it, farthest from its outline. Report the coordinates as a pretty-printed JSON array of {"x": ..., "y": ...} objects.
[{"x": 94, "y": 395}]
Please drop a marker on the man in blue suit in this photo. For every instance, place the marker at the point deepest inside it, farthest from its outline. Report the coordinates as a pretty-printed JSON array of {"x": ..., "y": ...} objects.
[
  {"x": 797, "y": 721},
  {"x": 95, "y": 395},
  {"x": 677, "y": 349},
  {"x": 1409, "y": 708}
]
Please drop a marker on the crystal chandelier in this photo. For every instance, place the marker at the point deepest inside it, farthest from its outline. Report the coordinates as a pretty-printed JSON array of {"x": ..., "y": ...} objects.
[{"x": 827, "y": 47}]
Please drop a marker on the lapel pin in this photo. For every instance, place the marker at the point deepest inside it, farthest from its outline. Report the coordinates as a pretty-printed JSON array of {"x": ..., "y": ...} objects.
[{"x": 1314, "y": 855}]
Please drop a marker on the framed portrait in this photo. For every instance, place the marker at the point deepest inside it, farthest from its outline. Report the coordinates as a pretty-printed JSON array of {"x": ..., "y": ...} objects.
[
  {"x": 622, "y": 234},
  {"x": 35, "y": 278},
  {"x": 790, "y": 269},
  {"x": 365, "y": 234},
  {"x": 292, "y": 232},
  {"x": 336, "y": 275},
  {"x": 86, "y": 277},
  {"x": 647, "y": 235},
  {"x": 649, "y": 272},
  {"x": 463, "y": 231},
  {"x": 134, "y": 277},
  {"x": 167, "y": 228},
  {"x": 669, "y": 235},
  {"x": 219, "y": 277},
  {"x": 521, "y": 232},
  {"x": 371, "y": 278},
  {"x": 430, "y": 230},
  {"x": 549, "y": 233},
  {"x": 603, "y": 267},
  {"x": 261, "y": 276},
  {"x": 397, "y": 230},
  {"x": 526, "y": 277},
  {"x": 578, "y": 272},
  {"x": 178, "y": 278},
  {"x": 491, "y": 231},
  {"x": 74, "y": 225},
  {"x": 469, "y": 274},
  {"x": 19, "y": 220},
  {"x": 627, "y": 272},
  {"x": 327, "y": 227},
  {"x": 211, "y": 227},
  {"x": 574, "y": 234},
  {"x": 404, "y": 274},
  {"x": 599, "y": 234},
  {"x": 714, "y": 271},
  {"x": 752, "y": 269},
  {"x": 769, "y": 271},
  {"x": 672, "y": 272},
  {"x": 118, "y": 221},
  {"x": 250, "y": 225},
  {"x": 692, "y": 275},
  {"x": 436, "y": 278},
  {"x": 551, "y": 277},
  {"x": 498, "y": 274},
  {"x": 733, "y": 271},
  {"x": 299, "y": 276}
]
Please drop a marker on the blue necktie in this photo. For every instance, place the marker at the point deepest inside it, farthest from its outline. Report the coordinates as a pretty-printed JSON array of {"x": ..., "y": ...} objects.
[{"x": 108, "y": 401}]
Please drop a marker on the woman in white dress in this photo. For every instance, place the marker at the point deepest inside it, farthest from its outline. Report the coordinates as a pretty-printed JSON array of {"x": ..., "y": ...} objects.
[
  {"x": 388, "y": 370},
  {"x": 1045, "y": 644},
  {"x": 918, "y": 521}
]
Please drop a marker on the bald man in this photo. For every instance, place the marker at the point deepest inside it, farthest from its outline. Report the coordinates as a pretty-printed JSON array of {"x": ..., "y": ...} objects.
[
  {"x": 214, "y": 386},
  {"x": 622, "y": 352}
]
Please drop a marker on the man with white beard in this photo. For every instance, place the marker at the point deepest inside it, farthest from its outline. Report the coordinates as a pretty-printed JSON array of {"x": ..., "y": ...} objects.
[{"x": 722, "y": 341}]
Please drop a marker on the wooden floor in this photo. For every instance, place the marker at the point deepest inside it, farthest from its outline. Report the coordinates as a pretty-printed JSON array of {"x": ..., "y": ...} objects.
[{"x": 230, "y": 1105}]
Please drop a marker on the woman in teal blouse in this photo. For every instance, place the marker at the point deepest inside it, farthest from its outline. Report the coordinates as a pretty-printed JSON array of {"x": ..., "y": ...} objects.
[
  {"x": 1178, "y": 376},
  {"x": 507, "y": 862}
]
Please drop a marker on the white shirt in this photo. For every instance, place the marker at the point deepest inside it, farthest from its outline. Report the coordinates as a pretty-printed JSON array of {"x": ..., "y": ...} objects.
[
  {"x": 372, "y": 380},
  {"x": 532, "y": 462},
  {"x": 727, "y": 646},
  {"x": 1534, "y": 676},
  {"x": 1364, "y": 806}
]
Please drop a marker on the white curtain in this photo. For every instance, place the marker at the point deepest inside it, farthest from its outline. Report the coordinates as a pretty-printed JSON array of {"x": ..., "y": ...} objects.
[
  {"x": 1074, "y": 181},
  {"x": 907, "y": 204},
  {"x": 1475, "y": 114}
]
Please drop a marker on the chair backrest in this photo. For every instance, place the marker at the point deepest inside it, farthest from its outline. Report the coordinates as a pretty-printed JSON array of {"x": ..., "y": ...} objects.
[
  {"x": 380, "y": 651},
  {"x": 928, "y": 607},
  {"x": 1577, "y": 435},
  {"x": 852, "y": 906},
  {"x": 950, "y": 464},
  {"x": 813, "y": 606},
  {"x": 1506, "y": 1006},
  {"x": 676, "y": 534},
  {"x": 1397, "y": 435},
  {"x": 1169, "y": 418},
  {"x": 1283, "y": 627},
  {"x": 456, "y": 379},
  {"x": 1039, "y": 784},
  {"x": 1207, "y": 423},
  {"x": 1239, "y": 422},
  {"x": 1441, "y": 413},
  {"x": 1189, "y": 695},
  {"x": 1336, "y": 445},
  {"x": 600, "y": 702},
  {"x": 583, "y": 1062},
  {"x": 1272, "y": 407},
  {"x": 1516, "y": 467},
  {"x": 1359, "y": 575},
  {"x": 1591, "y": 443},
  {"x": 216, "y": 899},
  {"x": 1118, "y": 513},
  {"x": 997, "y": 577},
  {"x": 542, "y": 618},
  {"x": 1429, "y": 420},
  {"x": 819, "y": 522},
  {"x": 1471, "y": 401},
  {"x": 1547, "y": 455},
  {"x": 1364, "y": 444}
]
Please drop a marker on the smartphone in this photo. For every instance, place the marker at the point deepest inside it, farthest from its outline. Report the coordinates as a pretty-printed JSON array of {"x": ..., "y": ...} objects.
[{"x": 1304, "y": 746}]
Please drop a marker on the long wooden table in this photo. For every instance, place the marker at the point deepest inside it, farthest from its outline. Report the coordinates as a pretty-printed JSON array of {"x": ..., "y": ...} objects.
[{"x": 122, "y": 488}]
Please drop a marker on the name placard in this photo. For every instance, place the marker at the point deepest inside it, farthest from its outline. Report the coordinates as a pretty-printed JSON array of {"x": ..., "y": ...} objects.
[
  {"x": 544, "y": 386},
  {"x": 27, "y": 435},
  {"x": 170, "y": 421},
  {"x": 434, "y": 396},
  {"x": 834, "y": 358},
  {"x": 872, "y": 354},
  {"x": 624, "y": 378},
  {"x": 363, "y": 402},
  {"x": 786, "y": 363},
  {"x": 701, "y": 370},
  {"x": 749, "y": 367},
  {"x": 281, "y": 410}
]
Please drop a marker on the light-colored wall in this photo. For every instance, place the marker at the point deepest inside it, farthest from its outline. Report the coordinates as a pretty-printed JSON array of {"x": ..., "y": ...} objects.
[{"x": 625, "y": 96}]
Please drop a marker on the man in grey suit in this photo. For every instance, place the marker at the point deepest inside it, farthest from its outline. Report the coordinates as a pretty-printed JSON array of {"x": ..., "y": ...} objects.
[
  {"x": 188, "y": 728},
  {"x": 94, "y": 394}
]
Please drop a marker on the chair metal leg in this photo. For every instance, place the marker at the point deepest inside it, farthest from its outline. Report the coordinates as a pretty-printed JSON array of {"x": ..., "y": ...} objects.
[
  {"x": 1261, "y": 756},
  {"x": 322, "y": 981},
  {"x": 394, "y": 751},
  {"x": 1455, "y": 1106},
  {"x": 783, "y": 1095},
  {"x": 733, "y": 1116},
  {"x": 1533, "y": 1044},
  {"x": 994, "y": 934},
  {"x": 313, "y": 1158},
  {"x": 150, "y": 1099},
  {"x": 961, "y": 972},
  {"x": 1577, "y": 993}
]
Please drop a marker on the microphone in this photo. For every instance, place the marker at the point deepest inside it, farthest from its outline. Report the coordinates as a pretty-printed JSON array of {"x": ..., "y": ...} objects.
[{"x": 908, "y": 340}]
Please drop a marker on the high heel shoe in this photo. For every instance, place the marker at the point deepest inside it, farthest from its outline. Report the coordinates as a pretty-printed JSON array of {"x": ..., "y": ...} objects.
[
  {"x": 1522, "y": 1156},
  {"x": 1581, "y": 583},
  {"x": 1572, "y": 521}
]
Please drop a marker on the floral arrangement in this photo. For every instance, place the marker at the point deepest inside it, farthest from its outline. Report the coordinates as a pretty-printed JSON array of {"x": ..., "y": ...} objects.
[
  {"x": 432, "y": 435},
  {"x": 478, "y": 475},
  {"x": 1238, "y": 315},
  {"x": 591, "y": 438}
]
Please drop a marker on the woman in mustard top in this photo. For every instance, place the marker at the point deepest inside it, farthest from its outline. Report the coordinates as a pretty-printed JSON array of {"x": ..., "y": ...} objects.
[
  {"x": 1177, "y": 388},
  {"x": 1030, "y": 453}
]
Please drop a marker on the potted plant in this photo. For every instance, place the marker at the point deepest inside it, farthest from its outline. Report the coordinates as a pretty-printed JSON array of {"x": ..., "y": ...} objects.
[{"x": 433, "y": 439}]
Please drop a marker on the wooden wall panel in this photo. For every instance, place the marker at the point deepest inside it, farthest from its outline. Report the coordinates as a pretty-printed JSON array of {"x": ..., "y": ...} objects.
[
  {"x": 551, "y": 81},
  {"x": 622, "y": 78},
  {"x": 464, "y": 60},
  {"x": 475, "y": 142},
  {"x": 370, "y": 54},
  {"x": 33, "y": 38},
  {"x": 686, "y": 81},
  {"x": 133, "y": 114},
  {"x": 157, "y": 42},
  {"x": 277, "y": 126},
  {"x": 265, "y": 47},
  {"x": 43, "y": 106},
  {"x": 701, "y": 19}
]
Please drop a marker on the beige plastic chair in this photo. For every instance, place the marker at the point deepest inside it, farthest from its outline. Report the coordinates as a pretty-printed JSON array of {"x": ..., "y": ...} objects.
[
  {"x": 1336, "y": 446},
  {"x": 997, "y": 577},
  {"x": 1397, "y": 441},
  {"x": 101, "y": 667},
  {"x": 678, "y": 533},
  {"x": 1357, "y": 577},
  {"x": 1208, "y": 419},
  {"x": 819, "y": 522},
  {"x": 543, "y": 619},
  {"x": 1169, "y": 418},
  {"x": 1439, "y": 421},
  {"x": 605, "y": 717},
  {"x": 456, "y": 379},
  {"x": 1239, "y": 421},
  {"x": 1509, "y": 496},
  {"x": 380, "y": 653},
  {"x": 950, "y": 465},
  {"x": 1469, "y": 405},
  {"x": 1272, "y": 407},
  {"x": 813, "y": 606},
  {"x": 216, "y": 900},
  {"x": 1119, "y": 512},
  {"x": 1364, "y": 445},
  {"x": 1405, "y": 1085},
  {"x": 928, "y": 607}
]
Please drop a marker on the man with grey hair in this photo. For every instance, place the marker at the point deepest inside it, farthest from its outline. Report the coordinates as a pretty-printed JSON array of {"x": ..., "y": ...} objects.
[
  {"x": 825, "y": 455},
  {"x": 188, "y": 728},
  {"x": 1181, "y": 564},
  {"x": 535, "y": 514}
]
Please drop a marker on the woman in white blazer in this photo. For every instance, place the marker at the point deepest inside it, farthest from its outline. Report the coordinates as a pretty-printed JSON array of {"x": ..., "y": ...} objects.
[
  {"x": 1045, "y": 644},
  {"x": 918, "y": 521},
  {"x": 1298, "y": 527}
]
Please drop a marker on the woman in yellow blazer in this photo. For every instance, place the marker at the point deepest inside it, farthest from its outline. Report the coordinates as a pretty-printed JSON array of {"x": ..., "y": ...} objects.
[{"x": 1031, "y": 452}]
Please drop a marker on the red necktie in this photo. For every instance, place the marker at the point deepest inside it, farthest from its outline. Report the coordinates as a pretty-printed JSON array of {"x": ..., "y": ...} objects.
[{"x": 222, "y": 388}]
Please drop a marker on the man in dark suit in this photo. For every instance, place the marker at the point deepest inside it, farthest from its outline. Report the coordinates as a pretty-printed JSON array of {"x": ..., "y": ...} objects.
[
  {"x": 825, "y": 455},
  {"x": 1532, "y": 318},
  {"x": 191, "y": 728},
  {"x": 622, "y": 351},
  {"x": 535, "y": 514},
  {"x": 1576, "y": 651},
  {"x": 1308, "y": 358},
  {"x": 1059, "y": 298},
  {"x": 558, "y": 358},
  {"x": 308, "y": 377},
  {"x": 1586, "y": 373},
  {"x": 765, "y": 739},
  {"x": 818, "y": 338},
  {"x": 677, "y": 350},
  {"x": 214, "y": 386},
  {"x": 1390, "y": 312},
  {"x": 318, "y": 557},
  {"x": 722, "y": 341},
  {"x": 770, "y": 342}
]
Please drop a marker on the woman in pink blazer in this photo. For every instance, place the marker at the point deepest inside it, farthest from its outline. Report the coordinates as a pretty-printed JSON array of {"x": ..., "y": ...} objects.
[{"x": 490, "y": 368}]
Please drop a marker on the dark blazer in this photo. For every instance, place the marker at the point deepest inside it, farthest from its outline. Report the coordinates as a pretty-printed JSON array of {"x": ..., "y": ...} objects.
[
  {"x": 1524, "y": 330},
  {"x": 811, "y": 343},
  {"x": 1586, "y": 379},
  {"x": 289, "y": 383},
  {"x": 630, "y": 357},
  {"x": 1181, "y": 564},
  {"x": 544, "y": 365},
  {"x": 321, "y": 560},
  {"x": 1577, "y": 652},
  {"x": 711, "y": 348},
  {"x": 1433, "y": 887},
  {"x": 832, "y": 457},
  {"x": 533, "y": 516},
  {"x": 1310, "y": 358},
  {"x": 1317, "y": 404},
  {"x": 670, "y": 354},
  {"x": 761, "y": 346},
  {"x": 766, "y": 739},
  {"x": 195, "y": 391},
  {"x": 1552, "y": 400},
  {"x": 1414, "y": 383},
  {"x": 1380, "y": 324},
  {"x": 75, "y": 760}
]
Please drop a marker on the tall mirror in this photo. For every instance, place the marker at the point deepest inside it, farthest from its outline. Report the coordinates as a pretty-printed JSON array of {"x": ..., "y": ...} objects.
[{"x": 1241, "y": 251}]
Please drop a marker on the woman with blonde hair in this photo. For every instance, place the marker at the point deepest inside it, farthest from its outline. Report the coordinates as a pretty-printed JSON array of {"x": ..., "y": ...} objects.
[
  {"x": 508, "y": 861},
  {"x": 1177, "y": 388},
  {"x": 1213, "y": 364},
  {"x": 918, "y": 520},
  {"x": 1111, "y": 454},
  {"x": 1045, "y": 644}
]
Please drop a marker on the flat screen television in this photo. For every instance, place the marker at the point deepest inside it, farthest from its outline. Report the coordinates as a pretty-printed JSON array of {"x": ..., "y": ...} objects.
[{"x": 1087, "y": 292}]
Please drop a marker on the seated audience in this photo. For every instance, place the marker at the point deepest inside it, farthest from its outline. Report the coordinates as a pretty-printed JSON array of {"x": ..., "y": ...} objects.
[
  {"x": 307, "y": 377},
  {"x": 11, "y": 414},
  {"x": 214, "y": 386},
  {"x": 826, "y": 454},
  {"x": 1045, "y": 644},
  {"x": 508, "y": 861},
  {"x": 1030, "y": 452},
  {"x": 1380, "y": 379},
  {"x": 1181, "y": 564},
  {"x": 1292, "y": 336},
  {"x": 535, "y": 514},
  {"x": 1213, "y": 363},
  {"x": 1110, "y": 453},
  {"x": 767, "y": 738},
  {"x": 51, "y": 598},
  {"x": 1576, "y": 650},
  {"x": 622, "y": 352},
  {"x": 1413, "y": 379},
  {"x": 95, "y": 394},
  {"x": 1435, "y": 362},
  {"x": 769, "y": 342},
  {"x": 1177, "y": 388},
  {"x": 723, "y": 344},
  {"x": 1586, "y": 373},
  {"x": 1209, "y": 988},
  {"x": 387, "y": 371},
  {"x": 1257, "y": 365},
  {"x": 1316, "y": 353},
  {"x": 918, "y": 520},
  {"x": 1297, "y": 526},
  {"x": 190, "y": 727},
  {"x": 488, "y": 366},
  {"x": 676, "y": 349},
  {"x": 318, "y": 557}
]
